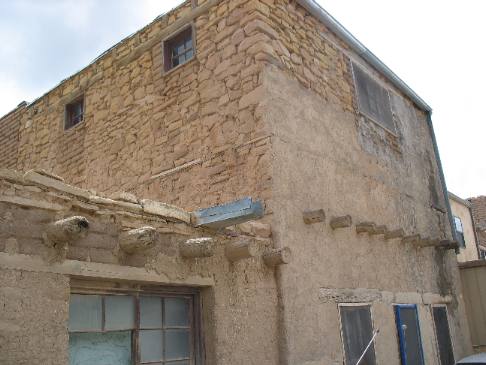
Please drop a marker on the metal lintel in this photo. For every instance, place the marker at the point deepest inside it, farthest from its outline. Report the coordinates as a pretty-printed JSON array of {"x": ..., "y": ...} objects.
[{"x": 225, "y": 215}]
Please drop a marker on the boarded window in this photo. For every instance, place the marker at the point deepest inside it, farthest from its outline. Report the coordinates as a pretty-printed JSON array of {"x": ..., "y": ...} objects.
[
  {"x": 373, "y": 99},
  {"x": 408, "y": 328},
  {"x": 132, "y": 329},
  {"x": 74, "y": 113},
  {"x": 443, "y": 335},
  {"x": 357, "y": 332},
  {"x": 178, "y": 49}
]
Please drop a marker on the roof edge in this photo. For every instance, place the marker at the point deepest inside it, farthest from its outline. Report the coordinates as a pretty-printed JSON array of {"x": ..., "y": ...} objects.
[
  {"x": 317, "y": 11},
  {"x": 459, "y": 200}
]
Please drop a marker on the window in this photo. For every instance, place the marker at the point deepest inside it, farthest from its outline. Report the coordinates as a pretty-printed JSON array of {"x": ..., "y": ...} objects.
[
  {"x": 459, "y": 231},
  {"x": 408, "y": 329},
  {"x": 178, "y": 49},
  {"x": 443, "y": 335},
  {"x": 482, "y": 254},
  {"x": 357, "y": 332},
  {"x": 74, "y": 113},
  {"x": 373, "y": 99},
  {"x": 113, "y": 328}
]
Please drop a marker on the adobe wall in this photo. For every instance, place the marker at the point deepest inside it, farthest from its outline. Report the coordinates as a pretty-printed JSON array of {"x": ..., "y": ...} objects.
[
  {"x": 189, "y": 137},
  {"x": 470, "y": 252},
  {"x": 328, "y": 156},
  {"x": 239, "y": 299}
]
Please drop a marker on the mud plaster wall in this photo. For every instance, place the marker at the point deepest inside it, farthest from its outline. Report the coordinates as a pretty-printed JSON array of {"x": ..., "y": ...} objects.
[
  {"x": 239, "y": 299},
  {"x": 33, "y": 317},
  {"x": 140, "y": 122},
  {"x": 320, "y": 162},
  {"x": 470, "y": 252}
]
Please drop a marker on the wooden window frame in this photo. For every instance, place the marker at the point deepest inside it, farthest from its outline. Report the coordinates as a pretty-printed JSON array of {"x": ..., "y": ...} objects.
[
  {"x": 166, "y": 47},
  {"x": 354, "y": 65},
  {"x": 432, "y": 306},
  {"x": 197, "y": 354},
  {"x": 396, "y": 309},
  {"x": 67, "y": 122},
  {"x": 364, "y": 304}
]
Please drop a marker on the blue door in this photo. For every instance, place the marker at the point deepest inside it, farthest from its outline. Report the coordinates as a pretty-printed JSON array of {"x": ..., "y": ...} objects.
[{"x": 408, "y": 328}]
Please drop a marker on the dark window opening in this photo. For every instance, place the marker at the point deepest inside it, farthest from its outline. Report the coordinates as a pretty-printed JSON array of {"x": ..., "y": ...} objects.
[
  {"x": 133, "y": 329},
  {"x": 178, "y": 49},
  {"x": 482, "y": 254},
  {"x": 408, "y": 328},
  {"x": 373, "y": 99},
  {"x": 357, "y": 332},
  {"x": 443, "y": 335},
  {"x": 74, "y": 113},
  {"x": 459, "y": 231}
]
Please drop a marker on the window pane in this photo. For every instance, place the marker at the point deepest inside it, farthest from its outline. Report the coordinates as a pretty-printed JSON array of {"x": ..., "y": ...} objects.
[
  {"x": 150, "y": 345},
  {"x": 177, "y": 344},
  {"x": 85, "y": 313},
  {"x": 357, "y": 333},
  {"x": 119, "y": 312},
  {"x": 443, "y": 336},
  {"x": 176, "y": 312},
  {"x": 188, "y": 43},
  {"x": 409, "y": 333},
  {"x": 179, "y": 48},
  {"x": 189, "y": 54},
  {"x": 150, "y": 312},
  {"x": 100, "y": 348}
]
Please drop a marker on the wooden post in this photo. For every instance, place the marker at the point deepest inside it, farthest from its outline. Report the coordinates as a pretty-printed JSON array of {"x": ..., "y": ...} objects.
[
  {"x": 397, "y": 233},
  {"x": 448, "y": 245},
  {"x": 314, "y": 216},
  {"x": 66, "y": 230},
  {"x": 137, "y": 240},
  {"x": 428, "y": 242},
  {"x": 275, "y": 257},
  {"x": 411, "y": 239},
  {"x": 341, "y": 222},
  {"x": 379, "y": 230},
  {"x": 240, "y": 249},
  {"x": 197, "y": 247},
  {"x": 365, "y": 227}
]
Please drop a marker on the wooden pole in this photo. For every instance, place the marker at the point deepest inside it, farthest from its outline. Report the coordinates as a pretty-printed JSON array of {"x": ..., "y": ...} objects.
[
  {"x": 64, "y": 231},
  {"x": 411, "y": 239},
  {"x": 379, "y": 230},
  {"x": 275, "y": 257},
  {"x": 365, "y": 227},
  {"x": 240, "y": 249},
  {"x": 314, "y": 216},
  {"x": 341, "y": 222},
  {"x": 137, "y": 240},
  {"x": 397, "y": 233},
  {"x": 197, "y": 248}
]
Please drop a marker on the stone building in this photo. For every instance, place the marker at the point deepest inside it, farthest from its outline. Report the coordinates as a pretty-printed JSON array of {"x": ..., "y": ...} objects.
[
  {"x": 465, "y": 229},
  {"x": 478, "y": 207},
  {"x": 213, "y": 102}
]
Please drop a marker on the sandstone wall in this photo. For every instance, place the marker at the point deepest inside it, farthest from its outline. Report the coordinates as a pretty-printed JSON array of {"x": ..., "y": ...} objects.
[
  {"x": 470, "y": 252},
  {"x": 239, "y": 299},
  {"x": 9, "y": 137},
  {"x": 194, "y": 127}
]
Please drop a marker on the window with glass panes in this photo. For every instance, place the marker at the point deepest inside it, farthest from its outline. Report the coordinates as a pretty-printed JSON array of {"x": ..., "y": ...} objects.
[
  {"x": 132, "y": 329},
  {"x": 74, "y": 113},
  {"x": 178, "y": 49}
]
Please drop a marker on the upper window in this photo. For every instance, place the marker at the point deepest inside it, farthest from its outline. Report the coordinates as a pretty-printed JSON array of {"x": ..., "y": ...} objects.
[
  {"x": 459, "y": 231},
  {"x": 74, "y": 113},
  {"x": 132, "y": 329},
  {"x": 178, "y": 49},
  {"x": 357, "y": 334},
  {"x": 373, "y": 99},
  {"x": 482, "y": 254}
]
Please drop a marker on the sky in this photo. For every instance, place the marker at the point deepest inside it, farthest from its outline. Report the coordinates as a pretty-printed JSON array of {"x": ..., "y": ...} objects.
[{"x": 435, "y": 46}]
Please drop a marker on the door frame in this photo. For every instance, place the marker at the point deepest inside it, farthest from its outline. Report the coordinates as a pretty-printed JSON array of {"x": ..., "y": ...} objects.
[{"x": 401, "y": 334}]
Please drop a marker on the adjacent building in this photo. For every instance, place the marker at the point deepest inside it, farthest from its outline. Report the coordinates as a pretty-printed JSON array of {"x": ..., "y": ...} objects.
[
  {"x": 264, "y": 109},
  {"x": 465, "y": 229},
  {"x": 478, "y": 208}
]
